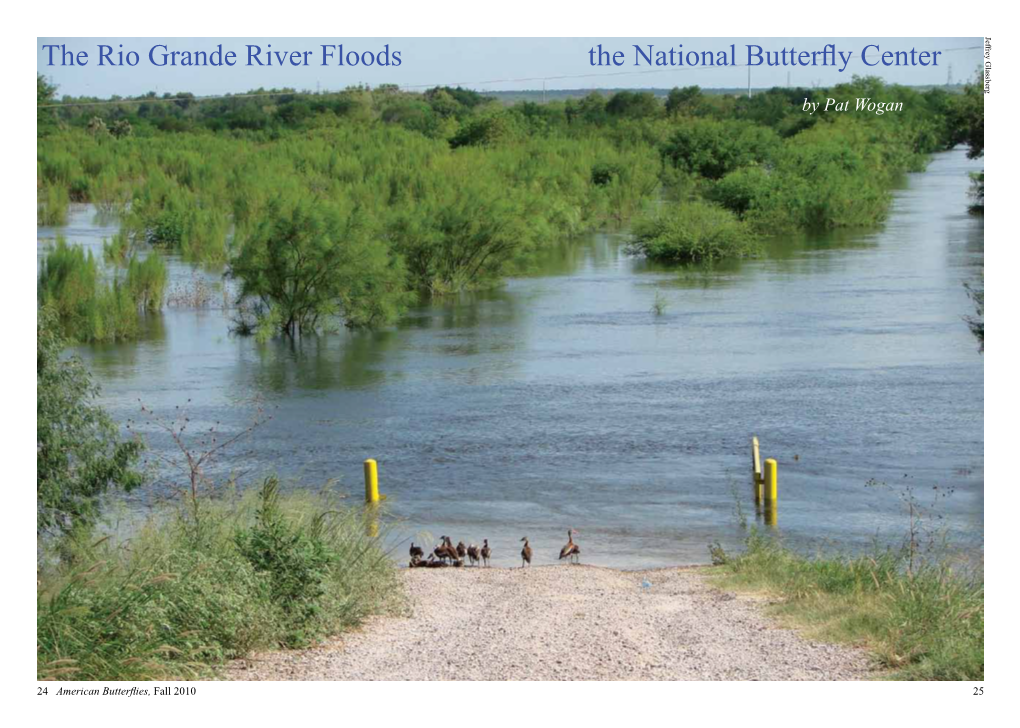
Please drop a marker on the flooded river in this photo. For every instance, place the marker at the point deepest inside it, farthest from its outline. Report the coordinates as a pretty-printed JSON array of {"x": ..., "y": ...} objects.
[{"x": 562, "y": 400}]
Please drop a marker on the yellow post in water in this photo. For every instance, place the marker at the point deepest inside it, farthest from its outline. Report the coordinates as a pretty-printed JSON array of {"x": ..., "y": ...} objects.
[
  {"x": 371, "y": 481},
  {"x": 756, "y": 471},
  {"x": 771, "y": 489}
]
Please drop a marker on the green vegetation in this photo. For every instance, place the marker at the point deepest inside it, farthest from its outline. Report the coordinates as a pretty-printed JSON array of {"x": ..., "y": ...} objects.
[
  {"x": 192, "y": 589},
  {"x": 308, "y": 261},
  {"x": 711, "y": 149},
  {"x": 696, "y": 232},
  {"x": 660, "y": 304},
  {"x": 925, "y": 623},
  {"x": 915, "y": 608},
  {"x": 204, "y": 579},
  {"x": 448, "y": 190},
  {"x": 146, "y": 282},
  {"x": 78, "y": 455},
  {"x": 91, "y": 308},
  {"x": 52, "y": 204},
  {"x": 968, "y": 122},
  {"x": 45, "y": 119}
]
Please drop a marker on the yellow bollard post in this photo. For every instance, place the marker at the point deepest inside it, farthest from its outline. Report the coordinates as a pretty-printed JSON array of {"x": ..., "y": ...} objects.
[
  {"x": 771, "y": 488},
  {"x": 756, "y": 471},
  {"x": 371, "y": 481}
]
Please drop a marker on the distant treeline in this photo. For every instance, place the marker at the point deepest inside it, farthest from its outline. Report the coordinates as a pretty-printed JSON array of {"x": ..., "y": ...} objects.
[{"x": 332, "y": 208}]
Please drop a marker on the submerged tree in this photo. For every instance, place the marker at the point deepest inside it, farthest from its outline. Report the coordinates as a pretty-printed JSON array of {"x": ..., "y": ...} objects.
[
  {"x": 78, "y": 453},
  {"x": 306, "y": 262}
]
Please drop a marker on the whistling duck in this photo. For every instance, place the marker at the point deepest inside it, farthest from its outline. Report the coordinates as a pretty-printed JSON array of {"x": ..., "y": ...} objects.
[
  {"x": 472, "y": 552},
  {"x": 461, "y": 550},
  {"x": 571, "y": 550},
  {"x": 525, "y": 552},
  {"x": 416, "y": 551},
  {"x": 440, "y": 550},
  {"x": 451, "y": 552},
  {"x": 486, "y": 552}
]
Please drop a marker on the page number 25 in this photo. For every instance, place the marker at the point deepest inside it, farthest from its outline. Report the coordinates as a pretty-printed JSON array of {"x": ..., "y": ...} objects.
[{"x": 979, "y": 690}]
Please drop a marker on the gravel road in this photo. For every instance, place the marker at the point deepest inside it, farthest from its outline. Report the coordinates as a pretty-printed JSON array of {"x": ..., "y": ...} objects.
[{"x": 564, "y": 623}]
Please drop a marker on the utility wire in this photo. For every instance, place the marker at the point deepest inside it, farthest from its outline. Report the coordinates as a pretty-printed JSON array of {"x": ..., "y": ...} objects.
[{"x": 673, "y": 69}]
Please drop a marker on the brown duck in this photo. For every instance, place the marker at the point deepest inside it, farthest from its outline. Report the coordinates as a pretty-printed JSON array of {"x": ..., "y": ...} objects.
[
  {"x": 451, "y": 552},
  {"x": 571, "y": 550},
  {"x": 473, "y": 555},
  {"x": 440, "y": 551},
  {"x": 525, "y": 552},
  {"x": 416, "y": 551}
]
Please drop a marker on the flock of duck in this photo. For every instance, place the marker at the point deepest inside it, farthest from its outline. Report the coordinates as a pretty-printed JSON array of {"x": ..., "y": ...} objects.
[{"x": 446, "y": 554}]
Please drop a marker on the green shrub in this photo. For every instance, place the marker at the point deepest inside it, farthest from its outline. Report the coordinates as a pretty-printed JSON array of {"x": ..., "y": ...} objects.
[
  {"x": 712, "y": 148},
  {"x": 692, "y": 233},
  {"x": 118, "y": 250},
  {"x": 146, "y": 281},
  {"x": 108, "y": 193},
  {"x": 181, "y": 595},
  {"x": 294, "y": 560},
  {"x": 78, "y": 454},
  {"x": 88, "y": 307},
  {"x": 309, "y": 262},
  {"x": 51, "y": 208}
]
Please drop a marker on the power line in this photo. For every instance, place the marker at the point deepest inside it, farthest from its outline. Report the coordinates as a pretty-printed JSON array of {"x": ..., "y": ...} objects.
[{"x": 674, "y": 69}]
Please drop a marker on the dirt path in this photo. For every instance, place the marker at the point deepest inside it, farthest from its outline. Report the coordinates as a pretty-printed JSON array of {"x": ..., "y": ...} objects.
[{"x": 564, "y": 622}]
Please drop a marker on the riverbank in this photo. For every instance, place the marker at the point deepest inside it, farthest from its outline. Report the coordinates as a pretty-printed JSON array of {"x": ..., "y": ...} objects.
[
  {"x": 564, "y": 623},
  {"x": 196, "y": 585},
  {"x": 918, "y": 611}
]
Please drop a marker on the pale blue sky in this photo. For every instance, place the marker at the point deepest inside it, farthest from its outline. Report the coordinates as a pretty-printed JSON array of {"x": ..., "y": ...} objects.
[{"x": 485, "y": 64}]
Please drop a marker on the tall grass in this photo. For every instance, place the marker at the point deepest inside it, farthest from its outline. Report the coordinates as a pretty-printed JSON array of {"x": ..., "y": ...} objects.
[
  {"x": 188, "y": 591},
  {"x": 51, "y": 205},
  {"x": 146, "y": 280},
  {"x": 922, "y": 619},
  {"x": 89, "y": 306}
]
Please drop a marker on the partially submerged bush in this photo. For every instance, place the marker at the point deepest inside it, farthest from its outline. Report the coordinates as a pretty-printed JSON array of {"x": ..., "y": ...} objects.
[
  {"x": 88, "y": 306},
  {"x": 307, "y": 262},
  {"x": 692, "y": 233},
  {"x": 52, "y": 204},
  {"x": 146, "y": 281}
]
